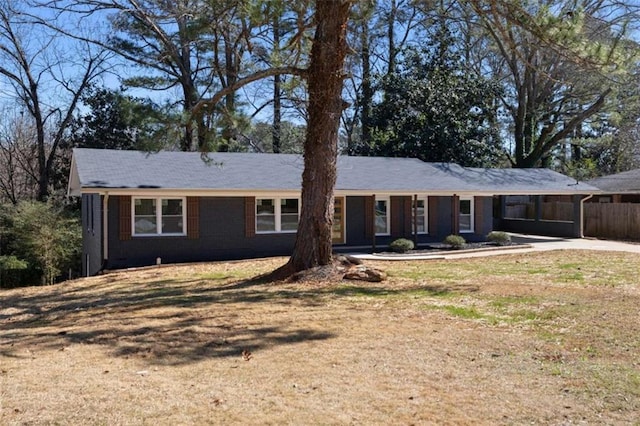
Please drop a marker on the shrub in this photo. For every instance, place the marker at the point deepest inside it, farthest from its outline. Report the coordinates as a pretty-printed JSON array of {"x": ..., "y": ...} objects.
[
  {"x": 498, "y": 237},
  {"x": 45, "y": 236},
  {"x": 455, "y": 241},
  {"x": 401, "y": 245},
  {"x": 11, "y": 269}
]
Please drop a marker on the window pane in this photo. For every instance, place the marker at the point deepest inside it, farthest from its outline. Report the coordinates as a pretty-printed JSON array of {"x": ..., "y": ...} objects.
[
  {"x": 420, "y": 216},
  {"x": 465, "y": 206},
  {"x": 145, "y": 216},
  {"x": 465, "y": 222},
  {"x": 265, "y": 206},
  {"x": 172, "y": 219},
  {"x": 265, "y": 215},
  {"x": 145, "y": 207},
  {"x": 265, "y": 223},
  {"x": 289, "y": 214},
  {"x": 289, "y": 205},
  {"x": 172, "y": 207},
  {"x": 289, "y": 222},
  {"x": 172, "y": 225},
  {"x": 381, "y": 217},
  {"x": 145, "y": 225}
]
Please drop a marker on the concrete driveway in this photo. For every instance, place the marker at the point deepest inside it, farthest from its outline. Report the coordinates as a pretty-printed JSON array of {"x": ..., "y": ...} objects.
[
  {"x": 533, "y": 242},
  {"x": 542, "y": 243}
]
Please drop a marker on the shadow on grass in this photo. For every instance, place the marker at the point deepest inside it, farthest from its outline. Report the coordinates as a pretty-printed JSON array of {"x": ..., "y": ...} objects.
[{"x": 171, "y": 321}]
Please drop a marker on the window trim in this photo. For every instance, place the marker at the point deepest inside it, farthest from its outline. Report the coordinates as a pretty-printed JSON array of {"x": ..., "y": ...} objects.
[
  {"x": 183, "y": 201},
  {"x": 277, "y": 212},
  {"x": 387, "y": 201},
  {"x": 472, "y": 225},
  {"x": 425, "y": 199}
]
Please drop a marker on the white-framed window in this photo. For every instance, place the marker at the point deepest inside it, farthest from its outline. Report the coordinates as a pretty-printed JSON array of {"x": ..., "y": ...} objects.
[
  {"x": 159, "y": 216},
  {"x": 277, "y": 215},
  {"x": 382, "y": 216},
  {"x": 465, "y": 219},
  {"x": 420, "y": 207}
]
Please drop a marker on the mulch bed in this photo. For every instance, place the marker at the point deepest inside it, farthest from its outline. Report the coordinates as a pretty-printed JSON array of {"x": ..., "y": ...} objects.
[{"x": 437, "y": 248}]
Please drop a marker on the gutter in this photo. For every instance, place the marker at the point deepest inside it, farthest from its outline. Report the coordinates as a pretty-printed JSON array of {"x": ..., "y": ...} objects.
[{"x": 588, "y": 197}]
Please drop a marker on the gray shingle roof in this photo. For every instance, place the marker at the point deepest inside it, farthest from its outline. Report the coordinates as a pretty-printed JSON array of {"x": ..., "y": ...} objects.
[
  {"x": 524, "y": 181},
  {"x": 113, "y": 169},
  {"x": 619, "y": 183}
]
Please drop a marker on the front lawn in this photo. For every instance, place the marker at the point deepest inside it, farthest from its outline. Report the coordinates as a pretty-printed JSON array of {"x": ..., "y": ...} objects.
[{"x": 539, "y": 338}]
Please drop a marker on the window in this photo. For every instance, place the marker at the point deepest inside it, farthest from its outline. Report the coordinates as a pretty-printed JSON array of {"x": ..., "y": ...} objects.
[
  {"x": 557, "y": 208},
  {"x": 421, "y": 210},
  {"x": 159, "y": 216},
  {"x": 277, "y": 214},
  {"x": 520, "y": 207},
  {"x": 382, "y": 216},
  {"x": 466, "y": 215}
]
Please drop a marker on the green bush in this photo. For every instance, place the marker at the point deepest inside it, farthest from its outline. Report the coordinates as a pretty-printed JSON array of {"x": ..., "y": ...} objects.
[
  {"x": 455, "y": 241},
  {"x": 43, "y": 235},
  {"x": 401, "y": 245},
  {"x": 499, "y": 237}
]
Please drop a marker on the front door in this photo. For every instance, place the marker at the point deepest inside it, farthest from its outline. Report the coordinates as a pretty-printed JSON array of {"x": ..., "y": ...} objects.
[{"x": 337, "y": 232}]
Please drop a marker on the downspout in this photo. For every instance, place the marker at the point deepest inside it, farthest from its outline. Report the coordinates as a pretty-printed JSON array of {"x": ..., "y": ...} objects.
[
  {"x": 590, "y": 196},
  {"x": 105, "y": 229}
]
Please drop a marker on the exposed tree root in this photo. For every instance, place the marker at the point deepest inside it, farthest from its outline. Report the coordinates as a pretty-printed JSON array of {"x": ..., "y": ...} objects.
[{"x": 341, "y": 267}]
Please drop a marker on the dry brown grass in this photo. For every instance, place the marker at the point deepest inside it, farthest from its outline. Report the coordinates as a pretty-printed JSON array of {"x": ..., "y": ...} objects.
[{"x": 544, "y": 338}]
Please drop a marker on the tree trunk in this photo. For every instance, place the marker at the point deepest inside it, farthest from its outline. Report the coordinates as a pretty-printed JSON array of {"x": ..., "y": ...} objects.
[
  {"x": 367, "y": 88},
  {"x": 325, "y": 79},
  {"x": 277, "y": 108}
]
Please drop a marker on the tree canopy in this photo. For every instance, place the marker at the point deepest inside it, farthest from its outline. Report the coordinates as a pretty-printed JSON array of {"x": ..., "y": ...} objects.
[{"x": 433, "y": 110}]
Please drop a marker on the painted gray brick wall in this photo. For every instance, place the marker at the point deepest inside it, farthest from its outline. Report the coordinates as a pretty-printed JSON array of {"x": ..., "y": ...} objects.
[
  {"x": 91, "y": 234},
  {"x": 222, "y": 237}
]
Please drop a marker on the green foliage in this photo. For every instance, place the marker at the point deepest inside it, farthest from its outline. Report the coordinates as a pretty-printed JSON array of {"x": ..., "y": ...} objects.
[
  {"x": 578, "y": 54},
  {"x": 434, "y": 110},
  {"x": 401, "y": 245},
  {"x": 12, "y": 262},
  {"x": 455, "y": 241},
  {"x": 45, "y": 236},
  {"x": 259, "y": 137},
  {"x": 499, "y": 237},
  {"x": 118, "y": 121}
]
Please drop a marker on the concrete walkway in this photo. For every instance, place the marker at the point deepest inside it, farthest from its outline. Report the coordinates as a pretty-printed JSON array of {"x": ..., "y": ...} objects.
[{"x": 533, "y": 243}]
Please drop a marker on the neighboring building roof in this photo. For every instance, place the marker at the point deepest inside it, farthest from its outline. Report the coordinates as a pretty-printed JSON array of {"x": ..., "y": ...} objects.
[
  {"x": 99, "y": 170},
  {"x": 625, "y": 182}
]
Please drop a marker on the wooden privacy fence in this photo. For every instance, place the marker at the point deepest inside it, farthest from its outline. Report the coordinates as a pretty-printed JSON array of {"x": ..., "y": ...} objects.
[
  {"x": 612, "y": 220},
  {"x": 554, "y": 211},
  {"x": 558, "y": 211}
]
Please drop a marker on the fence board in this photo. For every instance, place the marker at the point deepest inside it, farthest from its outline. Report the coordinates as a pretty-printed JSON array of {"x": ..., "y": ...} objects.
[
  {"x": 558, "y": 211},
  {"x": 612, "y": 220}
]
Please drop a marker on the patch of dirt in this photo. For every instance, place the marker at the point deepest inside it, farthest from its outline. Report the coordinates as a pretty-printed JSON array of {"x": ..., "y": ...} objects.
[{"x": 544, "y": 338}]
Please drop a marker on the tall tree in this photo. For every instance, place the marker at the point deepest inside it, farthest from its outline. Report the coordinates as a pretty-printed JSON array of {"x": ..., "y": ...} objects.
[
  {"x": 325, "y": 81},
  {"x": 544, "y": 51},
  {"x": 433, "y": 110},
  {"x": 36, "y": 68},
  {"x": 18, "y": 159},
  {"x": 115, "y": 120},
  {"x": 199, "y": 47}
]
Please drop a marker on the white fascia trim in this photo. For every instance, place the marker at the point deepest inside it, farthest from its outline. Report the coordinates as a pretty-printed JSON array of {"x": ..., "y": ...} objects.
[
  {"x": 76, "y": 190},
  {"x": 178, "y": 193},
  {"x": 73, "y": 188}
]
